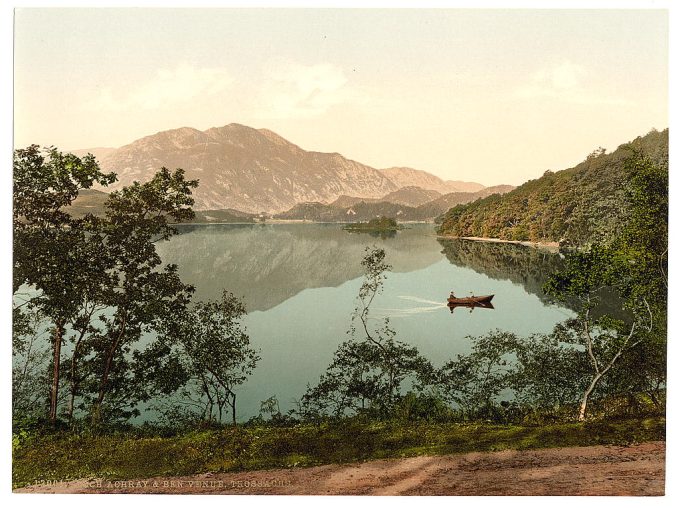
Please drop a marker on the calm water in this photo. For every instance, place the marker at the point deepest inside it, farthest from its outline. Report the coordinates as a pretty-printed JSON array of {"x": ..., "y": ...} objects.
[{"x": 300, "y": 281}]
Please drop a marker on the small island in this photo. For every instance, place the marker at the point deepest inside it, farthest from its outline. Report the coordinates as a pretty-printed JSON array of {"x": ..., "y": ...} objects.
[{"x": 379, "y": 225}]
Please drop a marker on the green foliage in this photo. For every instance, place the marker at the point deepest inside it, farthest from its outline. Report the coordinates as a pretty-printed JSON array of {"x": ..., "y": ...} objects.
[
  {"x": 51, "y": 249},
  {"x": 368, "y": 370},
  {"x": 379, "y": 223},
  {"x": 578, "y": 206},
  {"x": 216, "y": 353},
  {"x": 634, "y": 267},
  {"x": 475, "y": 381},
  {"x": 97, "y": 280},
  {"x": 550, "y": 375},
  {"x": 383, "y": 227}
]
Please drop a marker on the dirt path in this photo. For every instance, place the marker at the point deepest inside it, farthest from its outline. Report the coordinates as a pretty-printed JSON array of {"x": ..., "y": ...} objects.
[{"x": 594, "y": 470}]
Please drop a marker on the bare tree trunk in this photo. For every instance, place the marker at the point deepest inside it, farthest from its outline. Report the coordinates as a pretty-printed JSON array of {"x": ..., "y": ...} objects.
[
  {"x": 599, "y": 371},
  {"x": 56, "y": 359},
  {"x": 586, "y": 396},
  {"x": 233, "y": 408}
]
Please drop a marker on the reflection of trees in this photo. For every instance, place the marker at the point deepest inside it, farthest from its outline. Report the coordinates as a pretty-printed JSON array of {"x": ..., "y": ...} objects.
[
  {"x": 520, "y": 264},
  {"x": 384, "y": 235},
  {"x": 267, "y": 264}
]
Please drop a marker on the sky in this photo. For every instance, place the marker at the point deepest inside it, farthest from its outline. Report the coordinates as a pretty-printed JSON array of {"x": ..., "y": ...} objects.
[{"x": 493, "y": 96}]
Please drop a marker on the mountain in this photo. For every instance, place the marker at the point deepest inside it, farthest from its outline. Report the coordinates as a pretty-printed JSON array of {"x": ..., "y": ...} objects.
[
  {"x": 574, "y": 206},
  {"x": 344, "y": 209},
  {"x": 99, "y": 152},
  {"x": 361, "y": 211},
  {"x": 441, "y": 204},
  {"x": 408, "y": 177},
  {"x": 411, "y": 196},
  {"x": 345, "y": 201},
  {"x": 350, "y": 209},
  {"x": 252, "y": 170}
]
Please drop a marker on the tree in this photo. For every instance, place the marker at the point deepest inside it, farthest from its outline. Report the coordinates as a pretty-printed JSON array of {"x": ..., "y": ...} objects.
[
  {"x": 50, "y": 248},
  {"x": 550, "y": 373},
  {"x": 603, "y": 339},
  {"x": 368, "y": 370},
  {"x": 635, "y": 267},
  {"x": 98, "y": 280},
  {"x": 142, "y": 294},
  {"x": 474, "y": 382},
  {"x": 216, "y": 352}
]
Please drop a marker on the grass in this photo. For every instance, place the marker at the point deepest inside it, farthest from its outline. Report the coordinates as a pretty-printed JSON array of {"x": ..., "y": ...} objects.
[{"x": 65, "y": 456}]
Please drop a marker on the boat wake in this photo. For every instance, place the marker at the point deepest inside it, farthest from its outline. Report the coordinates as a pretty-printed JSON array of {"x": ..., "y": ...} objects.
[{"x": 410, "y": 311}]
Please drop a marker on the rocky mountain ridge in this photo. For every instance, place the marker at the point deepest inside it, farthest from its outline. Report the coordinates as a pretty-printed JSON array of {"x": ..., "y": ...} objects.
[{"x": 256, "y": 170}]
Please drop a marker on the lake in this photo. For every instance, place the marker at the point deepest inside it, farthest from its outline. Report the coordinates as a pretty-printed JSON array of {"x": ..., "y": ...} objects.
[{"x": 300, "y": 282}]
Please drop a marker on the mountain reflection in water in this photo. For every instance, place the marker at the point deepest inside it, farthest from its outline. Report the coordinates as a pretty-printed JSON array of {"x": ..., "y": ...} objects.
[
  {"x": 300, "y": 283},
  {"x": 267, "y": 264}
]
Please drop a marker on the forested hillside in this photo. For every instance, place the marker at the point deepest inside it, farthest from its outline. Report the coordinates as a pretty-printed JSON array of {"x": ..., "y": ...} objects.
[
  {"x": 350, "y": 209},
  {"x": 576, "y": 206}
]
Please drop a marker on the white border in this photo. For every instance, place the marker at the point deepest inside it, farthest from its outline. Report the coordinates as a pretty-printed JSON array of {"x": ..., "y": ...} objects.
[{"x": 6, "y": 81}]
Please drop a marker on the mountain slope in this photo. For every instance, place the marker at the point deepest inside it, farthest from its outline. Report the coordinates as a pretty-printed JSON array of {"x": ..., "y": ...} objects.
[
  {"x": 246, "y": 169},
  {"x": 411, "y": 196},
  {"x": 345, "y": 201},
  {"x": 574, "y": 206},
  {"x": 351, "y": 209},
  {"x": 406, "y": 177},
  {"x": 440, "y": 205},
  {"x": 253, "y": 170}
]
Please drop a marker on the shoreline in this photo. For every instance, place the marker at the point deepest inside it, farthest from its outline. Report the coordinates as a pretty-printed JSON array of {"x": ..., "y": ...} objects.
[
  {"x": 281, "y": 221},
  {"x": 551, "y": 246}
]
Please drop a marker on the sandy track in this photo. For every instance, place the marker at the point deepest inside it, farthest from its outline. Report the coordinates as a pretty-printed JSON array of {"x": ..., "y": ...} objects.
[{"x": 594, "y": 470}]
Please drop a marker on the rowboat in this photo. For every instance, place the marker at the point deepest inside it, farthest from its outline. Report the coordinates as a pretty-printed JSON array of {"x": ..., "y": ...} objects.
[{"x": 471, "y": 300}]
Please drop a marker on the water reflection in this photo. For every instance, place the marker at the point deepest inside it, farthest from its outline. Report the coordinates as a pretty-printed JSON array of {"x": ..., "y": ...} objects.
[
  {"x": 472, "y": 306},
  {"x": 384, "y": 235},
  {"x": 520, "y": 264},
  {"x": 300, "y": 283},
  {"x": 268, "y": 264}
]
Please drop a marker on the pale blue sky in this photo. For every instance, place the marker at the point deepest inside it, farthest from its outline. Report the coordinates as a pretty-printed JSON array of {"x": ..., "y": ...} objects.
[{"x": 487, "y": 95}]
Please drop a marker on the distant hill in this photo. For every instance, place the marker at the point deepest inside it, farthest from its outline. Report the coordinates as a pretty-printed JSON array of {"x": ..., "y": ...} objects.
[
  {"x": 440, "y": 205},
  {"x": 256, "y": 170},
  {"x": 346, "y": 201},
  {"x": 575, "y": 206},
  {"x": 88, "y": 201},
  {"x": 92, "y": 201},
  {"x": 406, "y": 177},
  {"x": 411, "y": 196},
  {"x": 363, "y": 210},
  {"x": 99, "y": 152}
]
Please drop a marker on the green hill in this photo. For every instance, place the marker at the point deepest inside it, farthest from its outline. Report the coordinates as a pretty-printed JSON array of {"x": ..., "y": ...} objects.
[
  {"x": 575, "y": 206},
  {"x": 92, "y": 201}
]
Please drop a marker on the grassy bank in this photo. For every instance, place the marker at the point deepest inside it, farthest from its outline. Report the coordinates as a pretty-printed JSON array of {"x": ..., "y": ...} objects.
[{"x": 64, "y": 456}]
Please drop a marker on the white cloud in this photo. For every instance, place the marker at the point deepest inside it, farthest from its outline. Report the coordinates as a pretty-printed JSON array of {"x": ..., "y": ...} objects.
[
  {"x": 298, "y": 91},
  {"x": 565, "y": 82},
  {"x": 166, "y": 88}
]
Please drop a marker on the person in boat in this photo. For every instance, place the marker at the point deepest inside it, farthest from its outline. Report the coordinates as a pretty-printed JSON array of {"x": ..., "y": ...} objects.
[{"x": 452, "y": 295}]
